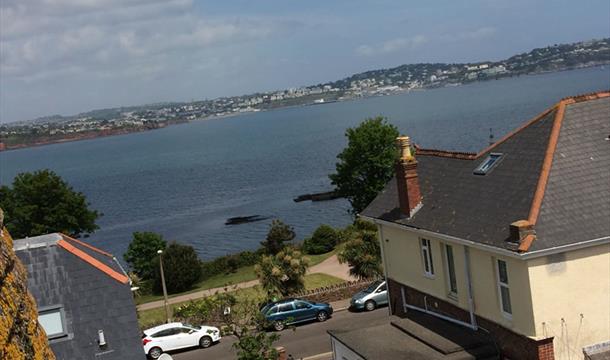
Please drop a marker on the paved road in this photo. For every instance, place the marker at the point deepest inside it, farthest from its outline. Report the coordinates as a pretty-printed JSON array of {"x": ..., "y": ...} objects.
[
  {"x": 308, "y": 339},
  {"x": 330, "y": 266}
]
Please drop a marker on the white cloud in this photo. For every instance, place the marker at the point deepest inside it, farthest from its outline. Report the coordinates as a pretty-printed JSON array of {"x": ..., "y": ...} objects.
[
  {"x": 391, "y": 46},
  {"x": 40, "y": 39}
]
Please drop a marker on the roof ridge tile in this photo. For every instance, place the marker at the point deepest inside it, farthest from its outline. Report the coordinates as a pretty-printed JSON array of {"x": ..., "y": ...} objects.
[
  {"x": 93, "y": 261},
  {"x": 91, "y": 247}
]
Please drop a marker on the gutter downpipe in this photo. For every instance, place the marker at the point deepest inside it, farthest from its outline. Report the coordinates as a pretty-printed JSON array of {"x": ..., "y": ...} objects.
[
  {"x": 385, "y": 266},
  {"x": 473, "y": 319}
]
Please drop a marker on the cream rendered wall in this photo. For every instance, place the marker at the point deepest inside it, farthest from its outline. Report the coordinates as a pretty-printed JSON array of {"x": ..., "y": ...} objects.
[
  {"x": 486, "y": 294},
  {"x": 404, "y": 263},
  {"x": 402, "y": 252},
  {"x": 566, "y": 285}
]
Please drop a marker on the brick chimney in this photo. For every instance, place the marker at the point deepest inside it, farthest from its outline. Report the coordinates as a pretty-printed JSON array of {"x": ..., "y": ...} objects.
[
  {"x": 409, "y": 195},
  {"x": 522, "y": 234}
]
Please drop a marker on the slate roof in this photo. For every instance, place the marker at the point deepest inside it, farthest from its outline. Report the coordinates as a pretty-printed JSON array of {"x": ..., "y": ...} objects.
[
  {"x": 576, "y": 204},
  {"x": 568, "y": 204},
  {"x": 93, "y": 291}
]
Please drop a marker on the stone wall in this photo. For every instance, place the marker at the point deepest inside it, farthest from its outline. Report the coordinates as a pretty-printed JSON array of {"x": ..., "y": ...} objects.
[
  {"x": 20, "y": 335},
  {"x": 512, "y": 345}
]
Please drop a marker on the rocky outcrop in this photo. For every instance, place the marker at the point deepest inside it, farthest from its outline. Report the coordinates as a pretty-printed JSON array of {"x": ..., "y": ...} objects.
[{"x": 21, "y": 337}]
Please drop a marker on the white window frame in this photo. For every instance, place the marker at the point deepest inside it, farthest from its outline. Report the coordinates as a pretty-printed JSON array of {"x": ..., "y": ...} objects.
[
  {"x": 59, "y": 309},
  {"x": 452, "y": 294},
  {"x": 506, "y": 285},
  {"x": 426, "y": 254}
]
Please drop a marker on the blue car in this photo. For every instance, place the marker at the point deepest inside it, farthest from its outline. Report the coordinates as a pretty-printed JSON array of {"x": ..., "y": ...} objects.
[{"x": 293, "y": 311}]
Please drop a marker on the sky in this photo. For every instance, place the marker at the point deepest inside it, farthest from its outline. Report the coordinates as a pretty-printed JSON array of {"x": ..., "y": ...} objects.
[{"x": 70, "y": 56}]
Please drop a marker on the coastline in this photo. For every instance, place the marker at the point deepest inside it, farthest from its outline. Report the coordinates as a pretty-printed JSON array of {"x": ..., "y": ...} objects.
[{"x": 116, "y": 132}]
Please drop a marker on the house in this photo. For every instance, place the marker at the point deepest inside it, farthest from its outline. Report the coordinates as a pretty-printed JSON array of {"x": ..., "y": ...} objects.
[
  {"x": 84, "y": 298},
  {"x": 508, "y": 247}
]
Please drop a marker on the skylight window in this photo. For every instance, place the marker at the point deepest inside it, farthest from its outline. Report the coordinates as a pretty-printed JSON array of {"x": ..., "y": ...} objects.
[
  {"x": 52, "y": 320},
  {"x": 488, "y": 164}
]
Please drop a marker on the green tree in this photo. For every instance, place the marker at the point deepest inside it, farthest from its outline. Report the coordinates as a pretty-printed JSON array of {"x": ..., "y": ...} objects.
[
  {"x": 246, "y": 322},
  {"x": 367, "y": 163},
  {"x": 181, "y": 268},
  {"x": 282, "y": 274},
  {"x": 363, "y": 254},
  {"x": 323, "y": 240},
  {"x": 41, "y": 202},
  {"x": 142, "y": 253},
  {"x": 279, "y": 233}
]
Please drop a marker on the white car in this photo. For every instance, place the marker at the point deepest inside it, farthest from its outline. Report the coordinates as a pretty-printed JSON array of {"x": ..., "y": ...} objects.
[{"x": 177, "y": 335}]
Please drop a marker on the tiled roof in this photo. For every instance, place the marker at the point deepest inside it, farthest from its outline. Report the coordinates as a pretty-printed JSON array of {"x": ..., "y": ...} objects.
[
  {"x": 93, "y": 292},
  {"x": 540, "y": 178}
]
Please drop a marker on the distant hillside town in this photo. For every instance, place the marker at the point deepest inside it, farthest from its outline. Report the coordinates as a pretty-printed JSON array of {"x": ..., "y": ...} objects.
[{"x": 371, "y": 83}]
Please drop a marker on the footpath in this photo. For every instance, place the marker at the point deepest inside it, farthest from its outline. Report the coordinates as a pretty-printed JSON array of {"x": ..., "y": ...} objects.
[{"x": 330, "y": 266}]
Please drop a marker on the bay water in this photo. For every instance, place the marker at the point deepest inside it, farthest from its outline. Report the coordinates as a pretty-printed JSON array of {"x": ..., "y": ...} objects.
[{"x": 184, "y": 181}]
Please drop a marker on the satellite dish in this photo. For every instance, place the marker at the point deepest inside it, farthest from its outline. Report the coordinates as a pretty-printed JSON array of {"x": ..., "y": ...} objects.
[{"x": 165, "y": 356}]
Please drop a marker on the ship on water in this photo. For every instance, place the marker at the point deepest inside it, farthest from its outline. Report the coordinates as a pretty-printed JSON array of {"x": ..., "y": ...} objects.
[{"x": 322, "y": 101}]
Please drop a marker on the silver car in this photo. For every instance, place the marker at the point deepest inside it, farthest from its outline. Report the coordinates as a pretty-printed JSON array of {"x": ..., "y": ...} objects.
[{"x": 371, "y": 297}]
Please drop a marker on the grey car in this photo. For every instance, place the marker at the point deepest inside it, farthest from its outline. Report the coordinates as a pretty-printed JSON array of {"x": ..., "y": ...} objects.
[{"x": 370, "y": 298}]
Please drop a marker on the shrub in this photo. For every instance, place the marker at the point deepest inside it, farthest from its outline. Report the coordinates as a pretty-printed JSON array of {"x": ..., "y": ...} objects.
[
  {"x": 229, "y": 263},
  {"x": 181, "y": 268},
  {"x": 323, "y": 240},
  {"x": 279, "y": 233},
  {"x": 209, "y": 310},
  {"x": 354, "y": 230}
]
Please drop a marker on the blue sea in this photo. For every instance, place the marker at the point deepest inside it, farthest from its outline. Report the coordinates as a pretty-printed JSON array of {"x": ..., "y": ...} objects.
[{"x": 184, "y": 181}]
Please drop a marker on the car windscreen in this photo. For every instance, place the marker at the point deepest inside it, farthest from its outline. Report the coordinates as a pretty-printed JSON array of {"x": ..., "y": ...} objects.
[
  {"x": 269, "y": 309},
  {"x": 196, "y": 327},
  {"x": 373, "y": 286}
]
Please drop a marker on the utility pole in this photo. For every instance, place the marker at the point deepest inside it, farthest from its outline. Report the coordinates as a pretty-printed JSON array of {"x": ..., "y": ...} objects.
[{"x": 165, "y": 303}]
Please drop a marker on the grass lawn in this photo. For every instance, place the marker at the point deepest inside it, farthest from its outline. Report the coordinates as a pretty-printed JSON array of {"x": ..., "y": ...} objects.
[
  {"x": 148, "y": 318},
  {"x": 242, "y": 274}
]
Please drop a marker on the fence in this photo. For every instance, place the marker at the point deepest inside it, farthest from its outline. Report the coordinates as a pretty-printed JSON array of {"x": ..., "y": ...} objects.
[{"x": 334, "y": 292}]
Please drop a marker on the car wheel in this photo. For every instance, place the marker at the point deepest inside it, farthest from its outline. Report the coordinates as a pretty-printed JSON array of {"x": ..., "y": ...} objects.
[
  {"x": 155, "y": 352},
  {"x": 205, "y": 342},
  {"x": 322, "y": 316},
  {"x": 279, "y": 325},
  {"x": 370, "y": 305}
]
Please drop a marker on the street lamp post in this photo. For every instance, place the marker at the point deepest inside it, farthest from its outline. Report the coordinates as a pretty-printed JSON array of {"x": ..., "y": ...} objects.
[{"x": 165, "y": 303}]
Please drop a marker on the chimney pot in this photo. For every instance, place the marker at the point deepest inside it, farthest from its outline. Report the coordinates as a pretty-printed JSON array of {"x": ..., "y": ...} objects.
[{"x": 404, "y": 146}]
